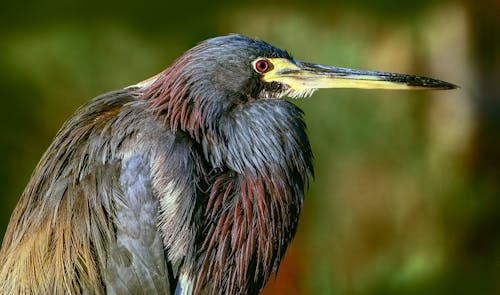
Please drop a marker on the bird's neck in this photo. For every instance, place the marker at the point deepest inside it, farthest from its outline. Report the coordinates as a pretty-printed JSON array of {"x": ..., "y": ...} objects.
[
  {"x": 259, "y": 159},
  {"x": 184, "y": 103}
]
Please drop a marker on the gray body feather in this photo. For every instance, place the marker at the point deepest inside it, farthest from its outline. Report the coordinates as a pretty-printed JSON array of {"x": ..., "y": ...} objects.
[{"x": 112, "y": 156}]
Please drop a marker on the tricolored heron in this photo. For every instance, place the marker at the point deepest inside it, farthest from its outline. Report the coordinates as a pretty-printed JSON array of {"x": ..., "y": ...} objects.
[{"x": 189, "y": 182}]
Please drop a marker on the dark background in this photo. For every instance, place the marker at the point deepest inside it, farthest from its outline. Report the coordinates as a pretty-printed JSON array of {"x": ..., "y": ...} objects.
[{"x": 406, "y": 195}]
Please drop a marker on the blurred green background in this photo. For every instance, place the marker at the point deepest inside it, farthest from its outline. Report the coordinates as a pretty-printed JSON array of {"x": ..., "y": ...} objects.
[{"x": 406, "y": 198}]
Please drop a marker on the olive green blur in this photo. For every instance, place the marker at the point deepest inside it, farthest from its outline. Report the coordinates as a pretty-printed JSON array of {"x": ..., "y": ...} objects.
[{"x": 406, "y": 198}]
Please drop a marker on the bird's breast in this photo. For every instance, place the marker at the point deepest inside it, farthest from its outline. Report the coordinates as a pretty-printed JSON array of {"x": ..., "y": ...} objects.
[{"x": 264, "y": 158}]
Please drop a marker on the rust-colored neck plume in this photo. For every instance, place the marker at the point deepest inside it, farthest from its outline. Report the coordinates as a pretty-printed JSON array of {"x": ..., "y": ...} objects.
[
  {"x": 249, "y": 223},
  {"x": 170, "y": 97}
]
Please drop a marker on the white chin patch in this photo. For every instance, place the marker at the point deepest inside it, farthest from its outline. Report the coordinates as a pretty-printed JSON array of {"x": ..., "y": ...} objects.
[
  {"x": 299, "y": 93},
  {"x": 292, "y": 93}
]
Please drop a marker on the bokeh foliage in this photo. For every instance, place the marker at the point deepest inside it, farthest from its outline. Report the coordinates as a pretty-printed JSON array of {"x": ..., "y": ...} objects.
[{"x": 406, "y": 194}]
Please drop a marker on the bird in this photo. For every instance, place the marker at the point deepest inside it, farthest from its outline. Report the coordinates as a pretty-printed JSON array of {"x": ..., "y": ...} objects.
[{"x": 189, "y": 182}]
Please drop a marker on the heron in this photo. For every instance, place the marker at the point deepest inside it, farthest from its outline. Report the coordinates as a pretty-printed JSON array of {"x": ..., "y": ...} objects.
[{"x": 190, "y": 182}]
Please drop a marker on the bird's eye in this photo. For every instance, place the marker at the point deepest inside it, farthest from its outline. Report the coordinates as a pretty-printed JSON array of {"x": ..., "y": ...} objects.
[{"x": 262, "y": 65}]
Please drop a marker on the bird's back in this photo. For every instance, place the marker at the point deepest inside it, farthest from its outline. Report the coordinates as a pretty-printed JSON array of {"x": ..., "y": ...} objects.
[{"x": 87, "y": 221}]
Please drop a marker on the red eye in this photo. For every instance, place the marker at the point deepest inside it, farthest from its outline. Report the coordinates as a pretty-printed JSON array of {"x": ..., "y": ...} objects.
[{"x": 262, "y": 65}]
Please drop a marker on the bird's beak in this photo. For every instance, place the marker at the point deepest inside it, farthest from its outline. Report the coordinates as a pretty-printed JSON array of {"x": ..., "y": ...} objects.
[{"x": 303, "y": 76}]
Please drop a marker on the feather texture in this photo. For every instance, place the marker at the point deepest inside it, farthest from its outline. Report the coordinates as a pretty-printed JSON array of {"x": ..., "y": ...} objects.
[{"x": 190, "y": 182}]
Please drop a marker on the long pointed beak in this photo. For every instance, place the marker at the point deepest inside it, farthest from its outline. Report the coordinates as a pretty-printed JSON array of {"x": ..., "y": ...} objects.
[{"x": 303, "y": 76}]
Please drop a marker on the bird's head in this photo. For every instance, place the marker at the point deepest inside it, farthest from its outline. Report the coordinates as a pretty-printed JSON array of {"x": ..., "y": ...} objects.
[{"x": 222, "y": 72}]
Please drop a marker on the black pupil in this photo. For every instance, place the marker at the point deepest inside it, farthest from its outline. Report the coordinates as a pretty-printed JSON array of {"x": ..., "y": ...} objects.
[{"x": 262, "y": 66}]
